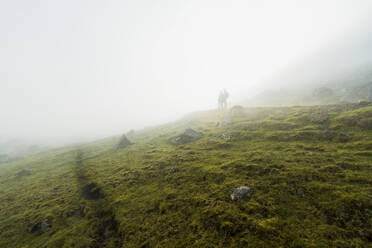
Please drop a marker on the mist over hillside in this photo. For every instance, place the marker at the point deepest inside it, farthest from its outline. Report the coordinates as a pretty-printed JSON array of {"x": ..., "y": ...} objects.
[
  {"x": 345, "y": 61},
  {"x": 85, "y": 70},
  {"x": 177, "y": 124},
  {"x": 343, "y": 66}
]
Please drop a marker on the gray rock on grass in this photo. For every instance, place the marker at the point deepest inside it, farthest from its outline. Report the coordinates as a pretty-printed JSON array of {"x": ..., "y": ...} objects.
[
  {"x": 240, "y": 193},
  {"x": 189, "y": 135},
  {"x": 40, "y": 227},
  {"x": 44, "y": 226}
]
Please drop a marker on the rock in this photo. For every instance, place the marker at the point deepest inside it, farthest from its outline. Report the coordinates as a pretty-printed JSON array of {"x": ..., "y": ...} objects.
[
  {"x": 189, "y": 135},
  {"x": 40, "y": 227},
  {"x": 172, "y": 170},
  {"x": 44, "y": 226},
  {"x": 24, "y": 172},
  {"x": 240, "y": 193},
  {"x": 123, "y": 142}
]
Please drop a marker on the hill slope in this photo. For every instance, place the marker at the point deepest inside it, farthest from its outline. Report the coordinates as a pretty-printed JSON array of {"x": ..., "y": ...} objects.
[{"x": 310, "y": 169}]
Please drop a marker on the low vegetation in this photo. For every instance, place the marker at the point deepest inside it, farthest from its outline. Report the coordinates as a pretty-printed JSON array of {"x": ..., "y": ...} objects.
[{"x": 309, "y": 170}]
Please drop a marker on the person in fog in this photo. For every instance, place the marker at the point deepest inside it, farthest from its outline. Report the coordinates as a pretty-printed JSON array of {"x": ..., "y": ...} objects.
[{"x": 222, "y": 99}]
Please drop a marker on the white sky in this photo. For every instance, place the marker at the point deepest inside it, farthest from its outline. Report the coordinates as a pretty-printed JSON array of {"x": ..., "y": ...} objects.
[{"x": 89, "y": 68}]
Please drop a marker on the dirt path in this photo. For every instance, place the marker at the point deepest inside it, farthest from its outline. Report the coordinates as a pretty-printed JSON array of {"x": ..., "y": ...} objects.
[{"x": 101, "y": 217}]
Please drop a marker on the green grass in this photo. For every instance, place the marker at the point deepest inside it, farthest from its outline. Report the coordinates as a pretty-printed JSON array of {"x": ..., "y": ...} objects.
[{"x": 311, "y": 176}]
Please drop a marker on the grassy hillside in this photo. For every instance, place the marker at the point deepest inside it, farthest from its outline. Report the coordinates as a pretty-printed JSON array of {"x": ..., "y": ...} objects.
[{"x": 310, "y": 169}]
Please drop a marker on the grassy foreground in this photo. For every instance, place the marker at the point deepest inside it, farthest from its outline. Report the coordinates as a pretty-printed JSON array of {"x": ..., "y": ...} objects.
[{"x": 310, "y": 169}]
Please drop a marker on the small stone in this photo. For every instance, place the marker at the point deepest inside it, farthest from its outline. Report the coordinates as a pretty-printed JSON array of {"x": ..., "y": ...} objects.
[
  {"x": 44, "y": 226},
  {"x": 240, "y": 193},
  {"x": 226, "y": 137},
  {"x": 172, "y": 170},
  {"x": 40, "y": 227}
]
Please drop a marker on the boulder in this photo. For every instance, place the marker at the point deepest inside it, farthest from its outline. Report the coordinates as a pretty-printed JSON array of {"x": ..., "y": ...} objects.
[
  {"x": 123, "y": 142},
  {"x": 240, "y": 192},
  {"x": 189, "y": 135}
]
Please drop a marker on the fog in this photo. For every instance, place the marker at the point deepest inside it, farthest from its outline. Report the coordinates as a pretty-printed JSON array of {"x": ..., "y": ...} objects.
[
  {"x": 340, "y": 63},
  {"x": 77, "y": 70}
]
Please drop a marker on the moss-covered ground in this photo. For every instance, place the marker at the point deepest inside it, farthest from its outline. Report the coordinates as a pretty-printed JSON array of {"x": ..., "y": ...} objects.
[{"x": 310, "y": 169}]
